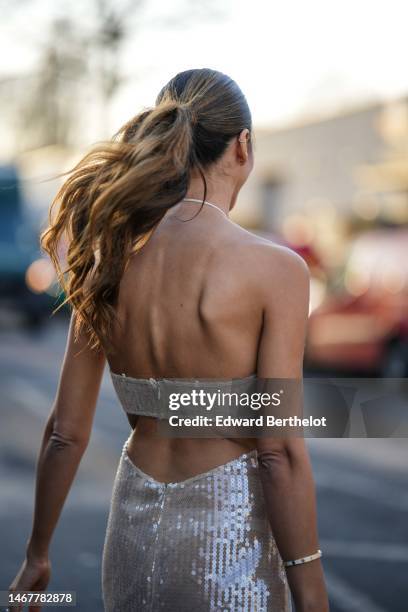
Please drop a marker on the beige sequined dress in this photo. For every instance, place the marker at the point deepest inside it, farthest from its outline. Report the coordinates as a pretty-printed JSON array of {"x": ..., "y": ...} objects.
[{"x": 201, "y": 545}]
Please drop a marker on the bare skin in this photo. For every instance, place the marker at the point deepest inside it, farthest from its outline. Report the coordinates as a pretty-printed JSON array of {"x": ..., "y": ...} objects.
[{"x": 203, "y": 299}]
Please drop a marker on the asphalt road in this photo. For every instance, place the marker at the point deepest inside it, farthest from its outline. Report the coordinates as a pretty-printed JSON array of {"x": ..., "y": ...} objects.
[{"x": 362, "y": 488}]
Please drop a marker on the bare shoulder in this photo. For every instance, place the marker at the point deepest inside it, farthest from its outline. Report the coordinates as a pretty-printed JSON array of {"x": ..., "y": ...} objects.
[
  {"x": 270, "y": 263},
  {"x": 285, "y": 281}
]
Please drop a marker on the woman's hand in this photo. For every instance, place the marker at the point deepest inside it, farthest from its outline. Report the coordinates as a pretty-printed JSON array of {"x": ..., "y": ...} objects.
[{"x": 33, "y": 575}]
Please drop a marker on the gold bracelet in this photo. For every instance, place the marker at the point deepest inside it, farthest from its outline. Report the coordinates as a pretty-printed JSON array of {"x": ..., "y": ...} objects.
[{"x": 316, "y": 555}]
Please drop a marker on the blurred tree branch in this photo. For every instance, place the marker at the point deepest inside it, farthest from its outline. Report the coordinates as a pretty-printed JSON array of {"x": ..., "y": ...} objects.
[{"x": 80, "y": 52}]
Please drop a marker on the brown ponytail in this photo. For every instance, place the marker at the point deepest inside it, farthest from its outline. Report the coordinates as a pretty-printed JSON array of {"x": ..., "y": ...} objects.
[{"x": 116, "y": 195}]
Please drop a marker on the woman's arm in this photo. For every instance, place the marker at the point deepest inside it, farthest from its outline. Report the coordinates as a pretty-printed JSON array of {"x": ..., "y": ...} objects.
[
  {"x": 284, "y": 464},
  {"x": 65, "y": 439}
]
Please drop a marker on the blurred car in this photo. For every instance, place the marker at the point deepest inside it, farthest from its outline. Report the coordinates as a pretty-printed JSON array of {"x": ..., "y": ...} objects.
[
  {"x": 364, "y": 328},
  {"x": 26, "y": 277}
]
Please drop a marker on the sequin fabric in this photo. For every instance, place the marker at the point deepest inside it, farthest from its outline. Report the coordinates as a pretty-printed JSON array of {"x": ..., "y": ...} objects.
[{"x": 201, "y": 545}]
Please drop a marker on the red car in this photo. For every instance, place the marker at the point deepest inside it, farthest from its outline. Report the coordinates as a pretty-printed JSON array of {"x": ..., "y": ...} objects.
[{"x": 364, "y": 328}]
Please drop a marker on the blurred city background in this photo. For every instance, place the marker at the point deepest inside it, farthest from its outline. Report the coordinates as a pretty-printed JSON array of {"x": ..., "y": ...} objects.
[{"x": 328, "y": 90}]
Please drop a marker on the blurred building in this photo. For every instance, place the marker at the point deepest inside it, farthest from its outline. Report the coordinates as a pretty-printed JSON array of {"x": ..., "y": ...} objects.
[
  {"x": 312, "y": 177},
  {"x": 339, "y": 186}
]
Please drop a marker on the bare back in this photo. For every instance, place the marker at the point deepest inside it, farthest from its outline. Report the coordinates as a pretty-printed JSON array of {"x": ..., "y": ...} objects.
[{"x": 189, "y": 306}]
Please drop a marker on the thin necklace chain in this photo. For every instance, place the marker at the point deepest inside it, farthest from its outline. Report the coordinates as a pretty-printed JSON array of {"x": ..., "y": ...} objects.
[{"x": 208, "y": 204}]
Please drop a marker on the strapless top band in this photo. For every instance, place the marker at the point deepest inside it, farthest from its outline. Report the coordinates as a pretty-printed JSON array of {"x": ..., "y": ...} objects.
[{"x": 149, "y": 396}]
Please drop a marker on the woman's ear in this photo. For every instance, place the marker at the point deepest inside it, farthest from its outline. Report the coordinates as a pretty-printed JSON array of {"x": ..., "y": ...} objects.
[{"x": 242, "y": 148}]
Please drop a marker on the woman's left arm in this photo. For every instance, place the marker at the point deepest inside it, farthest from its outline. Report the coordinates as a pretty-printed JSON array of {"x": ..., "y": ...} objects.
[{"x": 65, "y": 439}]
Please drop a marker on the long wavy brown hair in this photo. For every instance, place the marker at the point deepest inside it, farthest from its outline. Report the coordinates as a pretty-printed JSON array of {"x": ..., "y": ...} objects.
[{"x": 116, "y": 195}]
